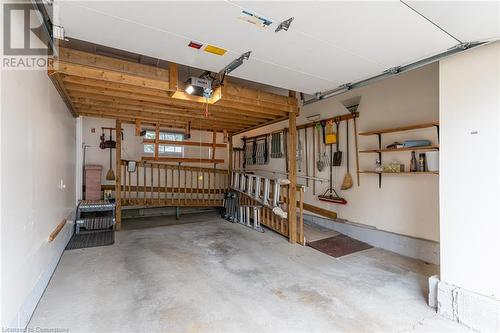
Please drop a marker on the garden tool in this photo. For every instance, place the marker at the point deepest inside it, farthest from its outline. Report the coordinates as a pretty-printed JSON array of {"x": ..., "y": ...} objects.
[
  {"x": 330, "y": 194},
  {"x": 347, "y": 183},
  {"x": 320, "y": 164},
  {"x": 337, "y": 156}
]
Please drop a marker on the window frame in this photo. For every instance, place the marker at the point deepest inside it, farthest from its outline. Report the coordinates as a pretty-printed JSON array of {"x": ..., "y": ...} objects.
[{"x": 151, "y": 135}]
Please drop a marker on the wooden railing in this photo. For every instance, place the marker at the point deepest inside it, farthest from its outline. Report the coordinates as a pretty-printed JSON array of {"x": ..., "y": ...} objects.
[{"x": 160, "y": 184}]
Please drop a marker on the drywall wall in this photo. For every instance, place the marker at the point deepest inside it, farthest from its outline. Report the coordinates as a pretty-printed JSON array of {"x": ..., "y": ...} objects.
[
  {"x": 407, "y": 205},
  {"x": 38, "y": 192},
  {"x": 470, "y": 160},
  {"x": 132, "y": 148}
]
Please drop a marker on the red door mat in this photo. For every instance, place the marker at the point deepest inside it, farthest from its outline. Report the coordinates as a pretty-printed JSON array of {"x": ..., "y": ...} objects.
[{"x": 338, "y": 246}]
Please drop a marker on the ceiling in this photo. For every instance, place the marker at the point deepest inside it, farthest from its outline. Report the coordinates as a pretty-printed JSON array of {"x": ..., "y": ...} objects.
[{"x": 328, "y": 43}]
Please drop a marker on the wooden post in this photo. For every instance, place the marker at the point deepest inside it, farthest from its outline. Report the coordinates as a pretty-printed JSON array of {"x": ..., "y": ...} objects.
[
  {"x": 157, "y": 142},
  {"x": 138, "y": 128},
  {"x": 230, "y": 162},
  {"x": 118, "y": 173},
  {"x": 292, "y": 202}
]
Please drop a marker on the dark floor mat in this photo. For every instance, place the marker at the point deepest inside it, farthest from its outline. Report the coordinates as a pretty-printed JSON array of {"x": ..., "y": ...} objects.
[
  {"x": 338, "y": 246},
  {"x": 91, "y": 239}
]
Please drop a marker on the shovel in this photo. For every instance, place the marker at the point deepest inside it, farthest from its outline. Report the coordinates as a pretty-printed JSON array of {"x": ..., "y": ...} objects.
[
  {"x": 347, "y": 183},
  {"x": 337, "y": 156}
]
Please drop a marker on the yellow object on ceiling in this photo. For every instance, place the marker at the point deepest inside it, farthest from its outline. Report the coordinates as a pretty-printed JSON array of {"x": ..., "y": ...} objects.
[{"x": 215, "y": 50}]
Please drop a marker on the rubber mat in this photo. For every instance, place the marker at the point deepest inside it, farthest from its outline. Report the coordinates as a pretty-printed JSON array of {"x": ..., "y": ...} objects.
[
  {"x": 339, "y": 246},
  {"x": 91, "y": 239}
]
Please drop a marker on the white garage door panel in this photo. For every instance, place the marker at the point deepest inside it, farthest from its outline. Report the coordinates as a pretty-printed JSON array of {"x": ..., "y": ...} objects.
[
  {"x": 120, "y": 34},
  {"x": 275, "y": 76},
  {"x": 466, "y": 20},
  {"x": 329, "y": 43},
  {"x": 386, "y": 32}
]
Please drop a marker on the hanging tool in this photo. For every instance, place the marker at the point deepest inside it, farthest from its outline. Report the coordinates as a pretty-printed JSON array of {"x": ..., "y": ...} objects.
[
  {"x": 103, "y": 139},
  {"x": 187, "y": 133},
  {"x": 323, "y": 124},
  {"x": 276, "y": 145},
  {"x": 337, "y": 157},
  {"x": 357, "y": 151},
  {"x": 110, "y": 175},
  {"x": 320, "y": 164},
  {"x": 347, "y": 182},
  {"x": 330, "y": 194},
  {"x": 307, "y": 157}
]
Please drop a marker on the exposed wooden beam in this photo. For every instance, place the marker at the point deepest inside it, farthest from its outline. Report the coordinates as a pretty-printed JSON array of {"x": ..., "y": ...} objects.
[
  {"x": 166, "y": 101},
  {"x": 107, "y": 75},
  {"x": 152, "y": 115},
  {"x": 171, "y": 122},
  {"x": 112, "y": 64},
  {"x": 186, "y": 143},
  {"x": 261, "y": 125},
  {"x": 173, "y": 77},
  {"x": 183, "y": 159}
]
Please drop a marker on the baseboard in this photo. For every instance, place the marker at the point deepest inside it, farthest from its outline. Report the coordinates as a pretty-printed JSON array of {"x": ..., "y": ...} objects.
[
  {"x": 28, "y": 307},
  {"x": 476, "y": 311},
  {"x": 417, "y": 248}
]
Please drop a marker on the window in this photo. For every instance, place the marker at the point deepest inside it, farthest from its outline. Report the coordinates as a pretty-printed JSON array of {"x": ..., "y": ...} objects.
[{"x": 169, "y": 150}]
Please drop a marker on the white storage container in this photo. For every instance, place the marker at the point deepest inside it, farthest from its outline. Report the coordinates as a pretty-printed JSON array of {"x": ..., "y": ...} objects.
[{"x": 432, "y": 158}]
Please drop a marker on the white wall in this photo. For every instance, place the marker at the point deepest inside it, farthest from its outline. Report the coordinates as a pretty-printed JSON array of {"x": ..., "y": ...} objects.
[
  {"x": 470, "y": 181},
  {"x": 132, "y": 148},
  {"x": 38, "y": 151},
  {"x": 406, "y": 205}
]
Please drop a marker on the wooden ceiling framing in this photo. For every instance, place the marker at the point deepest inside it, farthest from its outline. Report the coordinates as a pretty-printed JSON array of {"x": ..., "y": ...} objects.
[{"x": 99, "y": 86}]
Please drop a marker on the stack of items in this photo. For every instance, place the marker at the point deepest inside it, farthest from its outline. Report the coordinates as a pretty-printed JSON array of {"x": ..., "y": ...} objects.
[{"x": 94, "y": 224}]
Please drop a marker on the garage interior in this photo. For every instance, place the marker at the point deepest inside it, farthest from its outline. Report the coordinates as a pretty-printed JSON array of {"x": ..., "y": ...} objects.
[{"x": 231, "y": 166}]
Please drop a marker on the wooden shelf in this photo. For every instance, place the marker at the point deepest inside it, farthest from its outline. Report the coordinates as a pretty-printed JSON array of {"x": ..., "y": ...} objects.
[
  {"x": 401, "y": 173},
  {"x": 385, "y": 150},
  {"x": 400, "y": 129}
]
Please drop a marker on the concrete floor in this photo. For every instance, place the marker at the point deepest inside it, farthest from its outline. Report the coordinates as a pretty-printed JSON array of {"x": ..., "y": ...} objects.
[{"x": 213, "y": 276}]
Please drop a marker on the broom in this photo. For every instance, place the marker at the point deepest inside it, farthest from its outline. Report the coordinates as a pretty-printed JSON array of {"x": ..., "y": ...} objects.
[
  {"x": 110, "y": 175},
  {"x": 347, "y": 183}
]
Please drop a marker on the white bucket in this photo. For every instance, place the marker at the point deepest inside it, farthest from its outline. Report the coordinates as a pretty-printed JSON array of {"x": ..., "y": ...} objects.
[{"x": 432, "y": 158}]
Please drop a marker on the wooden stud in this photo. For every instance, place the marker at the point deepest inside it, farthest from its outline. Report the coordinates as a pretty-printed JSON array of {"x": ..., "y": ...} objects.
[
  {"x": 292, "y": 203},
  {"x": 138, "y": 128},
  {"x": 157, "y": 141},
  {"x": 118, "y": 167}
]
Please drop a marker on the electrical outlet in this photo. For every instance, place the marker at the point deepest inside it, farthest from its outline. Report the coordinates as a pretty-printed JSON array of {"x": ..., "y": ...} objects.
[{"x": 62, "y": 186}]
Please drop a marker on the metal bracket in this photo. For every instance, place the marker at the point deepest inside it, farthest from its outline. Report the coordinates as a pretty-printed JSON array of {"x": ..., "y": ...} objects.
[{"x": 285, "y": 25}]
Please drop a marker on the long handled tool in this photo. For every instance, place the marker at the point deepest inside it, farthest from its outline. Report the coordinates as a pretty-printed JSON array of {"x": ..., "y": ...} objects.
[
  {"x": 337, "y": 157},
  {"x": 110, "y": 175},
  {"x": 347, "y": 183},
  {"x": 320, "y": 164},
  {"x": 357, "y": 151},
  {"x": 330, "y": 194}
]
